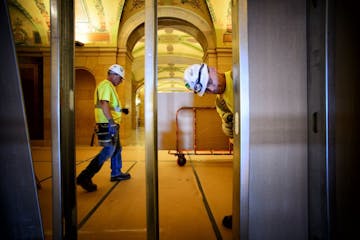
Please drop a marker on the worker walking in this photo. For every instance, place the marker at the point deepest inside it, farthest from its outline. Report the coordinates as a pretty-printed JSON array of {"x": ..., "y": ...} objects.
[{"x": 108, "y": 112}]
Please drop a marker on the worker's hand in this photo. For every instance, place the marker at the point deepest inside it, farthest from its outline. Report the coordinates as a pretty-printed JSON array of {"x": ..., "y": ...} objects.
[
  {"x": 112, "y": 128},
  {"x": 125, "y": 110}
]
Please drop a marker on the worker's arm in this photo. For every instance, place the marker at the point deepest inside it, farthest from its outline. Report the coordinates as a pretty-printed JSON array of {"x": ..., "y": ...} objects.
[
  {"x": 226, "y": 117},
  {"x": 112, "y": 125},
  {"x": 106, "y": 109}
]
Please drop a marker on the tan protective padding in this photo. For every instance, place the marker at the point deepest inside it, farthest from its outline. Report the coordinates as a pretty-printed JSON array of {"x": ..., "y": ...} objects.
[{"x": 208, "y": 132}]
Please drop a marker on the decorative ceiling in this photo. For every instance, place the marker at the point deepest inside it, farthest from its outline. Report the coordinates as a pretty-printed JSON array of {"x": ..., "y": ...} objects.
[{"x": 101, "y": 23}]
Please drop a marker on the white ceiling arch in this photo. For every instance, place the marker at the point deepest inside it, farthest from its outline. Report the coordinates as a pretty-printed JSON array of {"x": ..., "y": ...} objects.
[
  {"x": 189, "y": 19},
  {"x": 184, "y": 27},
  {"x": 176, "y": 50}
]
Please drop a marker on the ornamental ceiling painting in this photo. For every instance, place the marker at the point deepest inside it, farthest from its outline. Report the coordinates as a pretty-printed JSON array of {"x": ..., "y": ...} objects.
[{"x": 101, "y": 23}]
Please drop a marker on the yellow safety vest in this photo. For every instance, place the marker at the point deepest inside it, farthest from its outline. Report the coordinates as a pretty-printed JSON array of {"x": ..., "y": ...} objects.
[{"x": 106, "y": 91}]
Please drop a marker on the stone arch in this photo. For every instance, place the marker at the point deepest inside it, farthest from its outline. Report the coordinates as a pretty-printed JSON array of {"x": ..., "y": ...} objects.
[{"x": 185, "y": 20}]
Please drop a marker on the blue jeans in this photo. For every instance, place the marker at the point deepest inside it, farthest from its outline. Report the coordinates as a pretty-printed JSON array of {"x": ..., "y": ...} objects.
[{"x": 112, "y": 151}]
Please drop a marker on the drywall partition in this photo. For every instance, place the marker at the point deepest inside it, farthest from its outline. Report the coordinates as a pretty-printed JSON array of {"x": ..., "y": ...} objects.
[
  {"x": 20, "y": 212},
  {"x": 278, "y": 119}
]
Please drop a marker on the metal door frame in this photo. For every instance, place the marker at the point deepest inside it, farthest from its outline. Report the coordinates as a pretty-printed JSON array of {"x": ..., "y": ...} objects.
[
  {"x": 151, "y": 157},
  {"x": 321, "y": 109},
  {"x": 62, "y": 121},
  {"x": 240, "y": 225}
]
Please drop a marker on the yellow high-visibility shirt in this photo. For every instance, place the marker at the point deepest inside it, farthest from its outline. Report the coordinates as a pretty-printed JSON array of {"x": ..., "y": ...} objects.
[
  {"x": 225, "y": 106},
  {"x": 228, "y": 95},
  {"x": 106, "y": 91}
]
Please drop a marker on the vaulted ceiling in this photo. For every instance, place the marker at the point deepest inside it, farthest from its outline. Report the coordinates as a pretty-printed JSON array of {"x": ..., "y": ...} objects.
[{"x": 186, "y": 30}]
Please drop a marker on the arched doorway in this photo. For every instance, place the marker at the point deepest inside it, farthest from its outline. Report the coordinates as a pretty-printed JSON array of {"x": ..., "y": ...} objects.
[{"x": 84, "y": 106}]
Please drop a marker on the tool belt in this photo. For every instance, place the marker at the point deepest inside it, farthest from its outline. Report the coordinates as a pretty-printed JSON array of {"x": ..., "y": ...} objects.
[{"x": 102, "y": 132}]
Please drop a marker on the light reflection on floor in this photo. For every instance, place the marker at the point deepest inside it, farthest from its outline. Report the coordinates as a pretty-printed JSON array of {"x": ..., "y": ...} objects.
[{"x": 118, "y": 210}]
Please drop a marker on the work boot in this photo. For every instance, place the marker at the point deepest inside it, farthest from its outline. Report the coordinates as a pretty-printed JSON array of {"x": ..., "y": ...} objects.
[
  {"x": 227, "y": 221},
  {"x": 86, "y": 183},
  {"x": 120, "y": 177}
]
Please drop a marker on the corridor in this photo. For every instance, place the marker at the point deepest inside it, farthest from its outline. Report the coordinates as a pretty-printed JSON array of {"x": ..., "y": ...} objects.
[
  {"x": 295, "y": 76},
  {"x": 192, "y": 199}
]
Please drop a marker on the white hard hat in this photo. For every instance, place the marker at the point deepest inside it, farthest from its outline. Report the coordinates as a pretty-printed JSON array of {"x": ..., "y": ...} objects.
[
  {"x": 196, "y": 78},
  {"x": 115, "y": 68}
]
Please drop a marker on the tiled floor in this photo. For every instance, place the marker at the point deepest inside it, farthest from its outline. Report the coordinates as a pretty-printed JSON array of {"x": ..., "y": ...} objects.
[{"x": 192, "y": 199}]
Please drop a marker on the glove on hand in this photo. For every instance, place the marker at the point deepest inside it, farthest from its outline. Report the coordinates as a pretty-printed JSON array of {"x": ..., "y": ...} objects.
[
  {"x": 125, "y": 110},
  {"x": 112, "y": 127}
]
